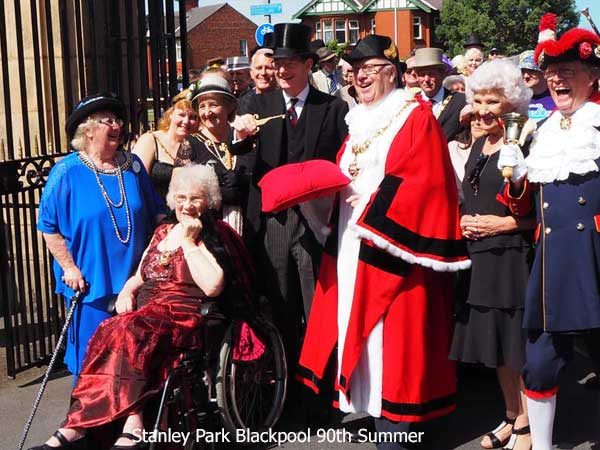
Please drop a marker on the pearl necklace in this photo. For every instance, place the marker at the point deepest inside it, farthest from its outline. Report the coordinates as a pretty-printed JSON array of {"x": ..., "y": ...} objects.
[{"x": 109, "y": 203}]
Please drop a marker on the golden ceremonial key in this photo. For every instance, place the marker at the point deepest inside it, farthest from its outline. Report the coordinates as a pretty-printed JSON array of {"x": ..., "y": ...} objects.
[{"x": 260, "y": 122}]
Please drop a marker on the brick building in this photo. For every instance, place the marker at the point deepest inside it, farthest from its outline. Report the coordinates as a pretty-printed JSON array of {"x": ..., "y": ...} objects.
[
  {"x": 217, "y": 30},
  {"x": 410, "y": 23}
]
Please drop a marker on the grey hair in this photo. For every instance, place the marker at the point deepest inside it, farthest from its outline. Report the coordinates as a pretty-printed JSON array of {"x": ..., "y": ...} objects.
[
  {"x": 80, "y": 140},
  {"x": 195, "y": 176},
  {"x": 504, "y": 76}
]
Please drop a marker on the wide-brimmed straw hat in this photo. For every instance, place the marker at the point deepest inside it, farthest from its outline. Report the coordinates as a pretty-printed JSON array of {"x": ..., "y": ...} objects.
[{"x": 429, "y": 57}]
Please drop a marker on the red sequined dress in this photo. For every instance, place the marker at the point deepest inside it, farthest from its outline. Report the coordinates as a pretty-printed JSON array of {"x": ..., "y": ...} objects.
[{"x": 130, "y": 355}]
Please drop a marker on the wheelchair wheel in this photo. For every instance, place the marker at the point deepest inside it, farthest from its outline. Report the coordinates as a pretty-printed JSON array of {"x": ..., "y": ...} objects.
[{"x": 251, "y": 394}]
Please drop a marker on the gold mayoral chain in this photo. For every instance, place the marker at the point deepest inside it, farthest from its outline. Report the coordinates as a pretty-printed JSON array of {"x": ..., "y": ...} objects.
[{"x": 357, "y": 149}]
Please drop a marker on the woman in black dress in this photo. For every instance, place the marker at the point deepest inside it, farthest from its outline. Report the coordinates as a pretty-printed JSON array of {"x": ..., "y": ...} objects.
[
  {"x": 158, "y": 149},
  {"x": 489, "y": 330},
  {"x": 212, "y": 145}
]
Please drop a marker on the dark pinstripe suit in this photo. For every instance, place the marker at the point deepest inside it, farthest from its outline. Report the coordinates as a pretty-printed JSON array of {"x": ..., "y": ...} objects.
[{"x": 287, "y": 252}]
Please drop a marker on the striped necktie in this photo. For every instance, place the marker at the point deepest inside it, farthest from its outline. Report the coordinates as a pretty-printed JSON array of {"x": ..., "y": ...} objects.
[
  {"x": 333, "y": 84},
  {"x": 291, "y": 112}
]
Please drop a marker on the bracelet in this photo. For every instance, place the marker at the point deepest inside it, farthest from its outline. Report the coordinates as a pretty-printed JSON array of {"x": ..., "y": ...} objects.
[{"x": 189, "y": 252}]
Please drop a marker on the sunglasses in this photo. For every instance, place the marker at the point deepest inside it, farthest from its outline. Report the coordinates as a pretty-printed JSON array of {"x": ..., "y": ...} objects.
[{"x": 475, "y": 175}]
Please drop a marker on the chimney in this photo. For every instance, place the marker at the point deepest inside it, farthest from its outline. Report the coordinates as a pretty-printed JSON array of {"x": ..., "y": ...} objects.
[{"x": 189, "y": 4}]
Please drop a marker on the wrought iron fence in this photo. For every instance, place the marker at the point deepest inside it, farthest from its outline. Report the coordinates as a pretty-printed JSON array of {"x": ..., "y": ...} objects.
[{"x": 61, "y": 51}]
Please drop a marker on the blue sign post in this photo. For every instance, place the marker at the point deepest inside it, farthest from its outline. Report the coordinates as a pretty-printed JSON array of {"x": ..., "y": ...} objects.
[
  {"x": 265, "y": 10},
  {"x": 263, "y": 29}
]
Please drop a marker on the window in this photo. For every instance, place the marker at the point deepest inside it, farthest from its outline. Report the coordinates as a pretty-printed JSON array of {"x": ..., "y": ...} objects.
[
  {"x": 417, "y": 32},
  {"x": 340, "y": 31},
  {"x": 354, "y": 34},
  {"x": 327, "y": 31},
  {"x": 243, "y": 47},
  {"x": 318, "y": 31},
  {"x": 372, "y": 26}
]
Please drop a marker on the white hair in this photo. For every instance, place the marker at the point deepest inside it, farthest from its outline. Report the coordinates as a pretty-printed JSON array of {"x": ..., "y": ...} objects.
[
  {"x": 504, "y": 76},
  {"x": 195, "y": 176},
  {"x": 80, "y": 140},
  {"x": 473, "y": 51}
]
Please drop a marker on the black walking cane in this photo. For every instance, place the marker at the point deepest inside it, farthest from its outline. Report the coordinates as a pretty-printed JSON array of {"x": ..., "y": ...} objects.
[{"x": 74, "y": 302}]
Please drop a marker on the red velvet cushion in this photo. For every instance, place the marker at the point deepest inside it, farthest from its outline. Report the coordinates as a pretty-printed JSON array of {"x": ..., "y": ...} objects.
[{"x": 291, "y": 184}]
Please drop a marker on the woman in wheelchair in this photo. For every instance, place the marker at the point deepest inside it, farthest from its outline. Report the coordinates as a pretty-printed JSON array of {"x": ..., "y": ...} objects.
[{"x": 191, "y": 257}]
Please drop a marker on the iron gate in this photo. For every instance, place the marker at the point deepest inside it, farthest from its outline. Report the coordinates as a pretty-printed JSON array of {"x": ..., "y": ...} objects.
[{"x": 69, "y": 48}]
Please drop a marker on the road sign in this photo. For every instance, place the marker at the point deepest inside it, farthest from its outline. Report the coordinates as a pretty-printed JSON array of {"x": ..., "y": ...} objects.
[
  {"x": 261, "y": 31},
  {"x": 265, "y": 10}
]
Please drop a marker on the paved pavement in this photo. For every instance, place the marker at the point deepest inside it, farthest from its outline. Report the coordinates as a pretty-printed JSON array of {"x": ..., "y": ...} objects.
[{"x": 479, "y": 410}]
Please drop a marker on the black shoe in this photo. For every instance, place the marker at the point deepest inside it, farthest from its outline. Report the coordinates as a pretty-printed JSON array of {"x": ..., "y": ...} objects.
[
  {"x": 137, "y": 443},
  {"x": 78, "y": 444}
]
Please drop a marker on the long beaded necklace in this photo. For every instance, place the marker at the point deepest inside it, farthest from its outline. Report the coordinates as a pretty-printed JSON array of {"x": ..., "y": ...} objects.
[
  {"x": 109, "y": 203},
  {"x": 357, "y": 149}
]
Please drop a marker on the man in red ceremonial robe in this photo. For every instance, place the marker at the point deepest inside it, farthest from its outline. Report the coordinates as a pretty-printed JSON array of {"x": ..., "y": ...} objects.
[{"x": 384, "y": 294}]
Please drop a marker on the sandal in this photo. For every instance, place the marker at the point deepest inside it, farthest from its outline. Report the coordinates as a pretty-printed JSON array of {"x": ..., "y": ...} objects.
[
  {"x": 516, "y": 432},
  {"x": 496, "y": 442},
  {"x": 137, "y": 443},
  {"x": 65, "y": 444}
]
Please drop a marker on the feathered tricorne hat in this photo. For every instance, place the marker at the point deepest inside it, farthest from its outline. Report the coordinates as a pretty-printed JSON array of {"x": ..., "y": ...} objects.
[{"x": 576, "y": 44}]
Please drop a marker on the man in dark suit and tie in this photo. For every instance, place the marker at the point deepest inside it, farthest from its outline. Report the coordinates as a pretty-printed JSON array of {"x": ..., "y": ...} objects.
[
  {"x": 287, "y": 245},
  {"x": 446, "y": 105}
]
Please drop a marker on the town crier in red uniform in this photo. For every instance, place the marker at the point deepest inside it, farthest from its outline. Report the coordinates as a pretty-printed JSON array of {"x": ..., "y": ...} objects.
[{"x": 384, "y": 292}]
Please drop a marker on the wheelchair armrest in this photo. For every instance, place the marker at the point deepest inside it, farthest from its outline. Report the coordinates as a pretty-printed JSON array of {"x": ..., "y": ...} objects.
[{"x": 211, "y": 309}]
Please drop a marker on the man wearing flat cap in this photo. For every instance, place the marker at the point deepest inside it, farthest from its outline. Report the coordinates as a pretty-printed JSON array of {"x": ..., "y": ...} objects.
[
  {"x": 384, "y": 293},
  {"x": 308, "y": 124},
  {"x": 445, "y": 104},
  {"x": 560, "y": 178},
  {"x": 328, "y": 78}
]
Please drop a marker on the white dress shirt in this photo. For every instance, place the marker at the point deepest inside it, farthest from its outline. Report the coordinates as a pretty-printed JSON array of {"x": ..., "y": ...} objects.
[
  {"x": 438, "y": 99},
  {"x": 301, "y": 99}
]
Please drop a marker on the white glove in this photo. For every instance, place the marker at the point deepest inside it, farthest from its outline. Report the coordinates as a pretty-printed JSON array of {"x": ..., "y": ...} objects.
[{"x": 512, "y": 156}]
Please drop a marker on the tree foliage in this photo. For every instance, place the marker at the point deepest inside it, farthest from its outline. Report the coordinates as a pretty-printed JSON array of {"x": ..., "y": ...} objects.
[{"x": 511, "y": 24}]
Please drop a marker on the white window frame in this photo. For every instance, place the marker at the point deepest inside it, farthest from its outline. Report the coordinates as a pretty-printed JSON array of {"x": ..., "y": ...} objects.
[
  {"x": 243, "y": 47},
  {"x": 417, "y": 27},
  {"x": 328, "y": 30},
  {"x": 353, "y": 25},
  {"x": 373, "y": 25},
  {"x": 336, "y": 22},
  {"x": 318, "y": 34}
]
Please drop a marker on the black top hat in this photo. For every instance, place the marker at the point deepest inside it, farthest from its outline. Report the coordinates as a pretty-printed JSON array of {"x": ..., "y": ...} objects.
[
  {"x": 374, "y": 46},
  {"x": 269, "y": 40},
  {"x": 473, "y": 41},
  {"x": 290, "y": 40},
  {"x": 316, "y": 45},
  {"x": 104, "y": 101}
]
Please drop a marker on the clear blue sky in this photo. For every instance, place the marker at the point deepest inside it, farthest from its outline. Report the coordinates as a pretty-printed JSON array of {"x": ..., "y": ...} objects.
[
  {"x": 290, "y": 7},
  {"x": 594, "y": 6}
]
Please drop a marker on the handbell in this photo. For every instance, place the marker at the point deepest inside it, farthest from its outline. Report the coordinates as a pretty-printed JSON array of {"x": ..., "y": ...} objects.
[{"x": 513, "y": 124}]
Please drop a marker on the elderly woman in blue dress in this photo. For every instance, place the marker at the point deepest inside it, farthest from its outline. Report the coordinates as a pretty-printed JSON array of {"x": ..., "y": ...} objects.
[
  {"x": 96, "y": 214},
  {"x": 561, "y": 178}
]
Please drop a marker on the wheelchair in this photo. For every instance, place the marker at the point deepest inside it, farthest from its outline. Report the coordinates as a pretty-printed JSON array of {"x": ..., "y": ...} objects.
[{"x": 210, "y": 390}]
